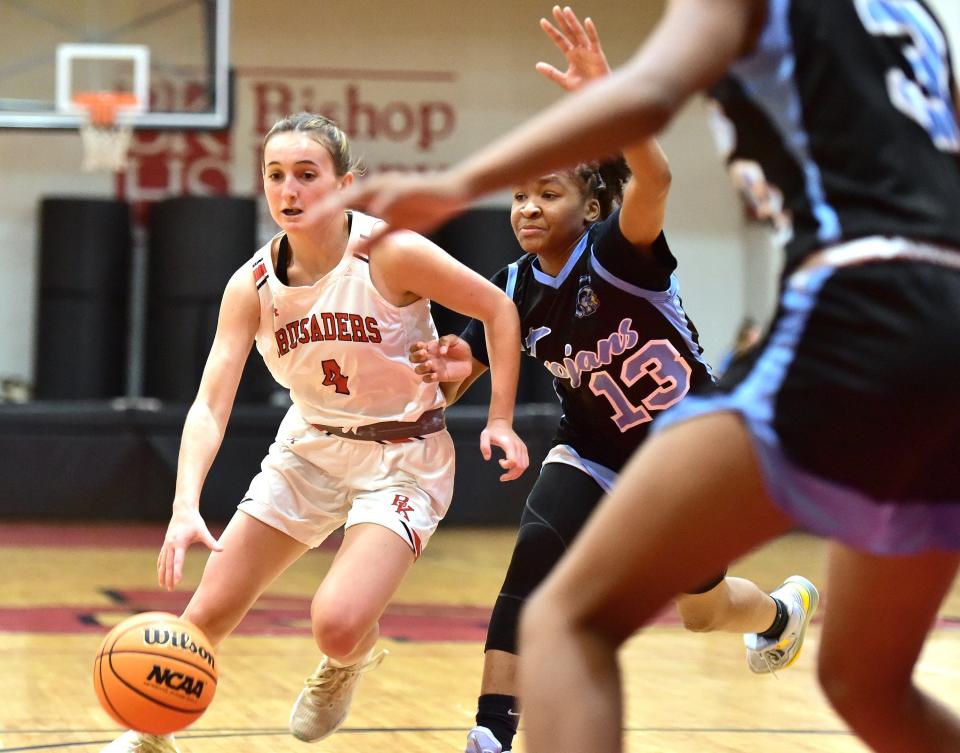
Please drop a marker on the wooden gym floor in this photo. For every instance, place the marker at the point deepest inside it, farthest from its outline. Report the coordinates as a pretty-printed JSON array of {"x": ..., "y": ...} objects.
[{"x": 63, "y": 586}]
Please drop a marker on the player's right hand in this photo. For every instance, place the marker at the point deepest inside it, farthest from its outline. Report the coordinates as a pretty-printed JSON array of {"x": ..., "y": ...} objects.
[
  {"x": 448, "y": 359},
  {"x": 420, "y": 202},
  {"x": 499, "y": 433},
  {"x": 186, "y": 527}
]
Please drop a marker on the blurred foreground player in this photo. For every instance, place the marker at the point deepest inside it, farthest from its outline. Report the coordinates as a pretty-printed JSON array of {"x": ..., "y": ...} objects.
[{"x": 846, "y": 418}]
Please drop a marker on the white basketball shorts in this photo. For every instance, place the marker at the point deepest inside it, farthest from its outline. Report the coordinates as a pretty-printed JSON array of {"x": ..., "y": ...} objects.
[{"x": 311, "y": 483}]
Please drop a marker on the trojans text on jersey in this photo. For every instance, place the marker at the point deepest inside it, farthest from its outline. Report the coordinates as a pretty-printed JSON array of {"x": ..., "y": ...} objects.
[
  {"x": 586, "y": 361},
  {"x": 327, "y": 326}
]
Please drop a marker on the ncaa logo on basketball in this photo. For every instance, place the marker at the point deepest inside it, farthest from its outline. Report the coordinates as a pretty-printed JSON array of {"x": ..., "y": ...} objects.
[
  {"x": 177, "y": 681},
  {"x": 161, "y": 637}
]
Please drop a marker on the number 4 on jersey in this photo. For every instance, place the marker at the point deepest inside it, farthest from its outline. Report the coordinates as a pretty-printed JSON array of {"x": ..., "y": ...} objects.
[{"x": 333, "y": 377}]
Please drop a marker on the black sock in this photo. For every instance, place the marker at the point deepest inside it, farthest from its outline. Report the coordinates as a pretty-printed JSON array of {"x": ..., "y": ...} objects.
[
  {"x": 498, "y": 713},
  {"x": 779, "y": 622}
]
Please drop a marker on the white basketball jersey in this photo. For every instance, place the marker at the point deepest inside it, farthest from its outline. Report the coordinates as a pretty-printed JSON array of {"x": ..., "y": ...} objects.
[{"x": 339, "y": 346}]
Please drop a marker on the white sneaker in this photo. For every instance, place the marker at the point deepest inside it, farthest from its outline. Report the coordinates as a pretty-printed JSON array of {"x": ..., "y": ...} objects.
[
  {"x": 481, "y": 740},
  {"x": 137, "y": 742},
  {"x": 324, "y": 702},
  {"x": 767, "y": 655}
]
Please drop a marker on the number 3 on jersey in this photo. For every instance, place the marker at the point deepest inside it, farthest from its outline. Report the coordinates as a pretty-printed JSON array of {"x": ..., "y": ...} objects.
[
  {"x": 333, "y": 377},
  {"x": 926, "y": 98},
  {"x": 657, "y": 359}
]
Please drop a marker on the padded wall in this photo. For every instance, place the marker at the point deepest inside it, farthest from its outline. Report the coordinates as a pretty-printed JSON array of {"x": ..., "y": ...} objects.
[{"x": 82, "y": 318}]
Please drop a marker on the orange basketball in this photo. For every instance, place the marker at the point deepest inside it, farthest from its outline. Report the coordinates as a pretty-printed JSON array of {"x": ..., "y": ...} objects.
[{"x": 155, "y": 673}]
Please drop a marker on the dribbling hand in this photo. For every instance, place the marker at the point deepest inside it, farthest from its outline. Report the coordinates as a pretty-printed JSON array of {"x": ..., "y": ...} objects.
[{"x": 186, "y": 527}]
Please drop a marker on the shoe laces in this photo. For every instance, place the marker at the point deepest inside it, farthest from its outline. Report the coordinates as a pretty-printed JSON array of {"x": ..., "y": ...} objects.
[
  {"x": 772, "y": 665},
  {"x": 774, "y": 655},
  {"x": 331, "y": 682},
  {"x": 153, "y": 744}
]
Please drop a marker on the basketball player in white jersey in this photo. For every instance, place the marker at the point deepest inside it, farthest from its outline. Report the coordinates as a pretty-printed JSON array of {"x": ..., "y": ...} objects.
[{"x": 364, "y": 443}]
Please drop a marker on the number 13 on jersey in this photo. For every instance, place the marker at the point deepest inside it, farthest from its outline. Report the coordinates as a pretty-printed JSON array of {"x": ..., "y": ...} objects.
[{"x": 657, "y": 359}]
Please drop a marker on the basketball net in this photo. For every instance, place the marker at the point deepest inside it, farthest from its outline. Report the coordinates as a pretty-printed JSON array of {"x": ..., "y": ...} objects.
[{"x": 106, "y": 142}]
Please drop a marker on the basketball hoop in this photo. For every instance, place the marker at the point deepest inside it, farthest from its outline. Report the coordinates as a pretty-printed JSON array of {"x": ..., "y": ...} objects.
[{"x": 106, "y": 141}]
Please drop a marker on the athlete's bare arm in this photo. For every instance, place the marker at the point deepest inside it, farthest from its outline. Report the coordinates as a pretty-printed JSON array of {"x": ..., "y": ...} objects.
[
  {"x": 645, "y": 195},
  {"x": 206, "y": 422},
  {"x": 409, "y": 262},
  {"x": 692, "y": 46}
]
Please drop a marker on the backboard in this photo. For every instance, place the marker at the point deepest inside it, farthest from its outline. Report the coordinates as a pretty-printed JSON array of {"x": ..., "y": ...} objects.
[{"x": 53, "y": 49}]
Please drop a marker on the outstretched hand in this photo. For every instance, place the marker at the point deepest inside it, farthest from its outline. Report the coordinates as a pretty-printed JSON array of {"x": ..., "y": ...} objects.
[
  {"x": 186, "y": 527},
  {"x": 579, "y": 44},
  {"x": 498, "y": 432},
  {"x": 448, "y": 359},
  {"x": 419, "y": 202}
]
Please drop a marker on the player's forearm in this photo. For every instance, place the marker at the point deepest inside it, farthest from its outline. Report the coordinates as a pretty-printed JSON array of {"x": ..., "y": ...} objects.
[
  {"x": 691, "y": 47},
  {"x": 650, "y": 169},
  {"x": 202, "y": 436},
  {"x": 452, "y": 391},
  {"x": 594, "y": 122},
  {"x": 503, "y": 345}
]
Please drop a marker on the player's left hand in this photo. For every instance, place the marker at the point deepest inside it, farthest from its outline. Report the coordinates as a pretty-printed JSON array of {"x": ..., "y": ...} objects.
[
  {"x": 500, "y": 433},
  {"x": 579, "y": 44}
]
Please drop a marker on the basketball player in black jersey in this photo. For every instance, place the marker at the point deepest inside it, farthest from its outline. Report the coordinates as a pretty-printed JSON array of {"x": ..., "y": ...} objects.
[
  {"x": 845, "y": 419},
  {"x": 600, "y": 309}
]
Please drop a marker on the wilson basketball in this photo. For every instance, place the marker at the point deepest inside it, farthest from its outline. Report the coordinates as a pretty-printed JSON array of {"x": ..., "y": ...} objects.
[{"x": 155, "y": 673}]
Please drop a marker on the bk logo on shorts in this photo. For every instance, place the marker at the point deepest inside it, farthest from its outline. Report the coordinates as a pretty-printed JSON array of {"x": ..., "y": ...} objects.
[{"x": 402, "y": 504}]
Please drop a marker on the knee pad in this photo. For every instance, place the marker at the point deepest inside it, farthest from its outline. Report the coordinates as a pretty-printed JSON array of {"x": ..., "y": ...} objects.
[{"x": 537, "y": 550}]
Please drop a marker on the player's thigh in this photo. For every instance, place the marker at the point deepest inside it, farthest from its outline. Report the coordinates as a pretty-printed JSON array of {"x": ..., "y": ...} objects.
[
  {"x": 365, "y": 574},
  {"x": 253, "y": 555},
  {"x": 880, "y": 607}
]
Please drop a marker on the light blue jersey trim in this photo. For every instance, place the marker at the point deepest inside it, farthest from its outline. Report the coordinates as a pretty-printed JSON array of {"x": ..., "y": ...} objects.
[
  {"x": 667, "y": 302},
  {"x": 555, "y": 282},
  {"x": 635, "y": 290},
  {"x": 815, "y": 503},
  {"x": 512, "y": 270},
  {"x": 767, "y": 78}
]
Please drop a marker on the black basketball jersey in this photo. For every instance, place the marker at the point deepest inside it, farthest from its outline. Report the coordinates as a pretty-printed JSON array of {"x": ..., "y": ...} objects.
[
  {"x": 611, "y": 329},
  {"x": 848, "y": 106}
]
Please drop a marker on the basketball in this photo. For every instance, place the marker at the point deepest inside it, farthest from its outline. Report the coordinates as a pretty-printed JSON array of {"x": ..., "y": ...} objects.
[{"x": 155, "y": 673}]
